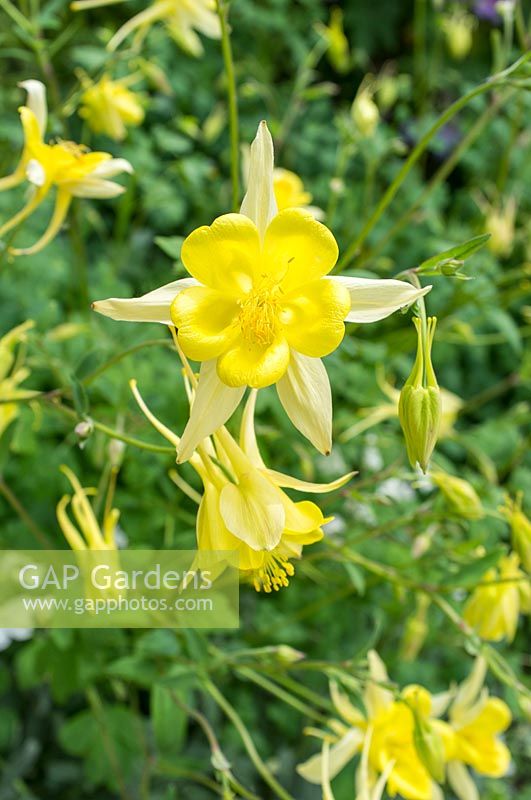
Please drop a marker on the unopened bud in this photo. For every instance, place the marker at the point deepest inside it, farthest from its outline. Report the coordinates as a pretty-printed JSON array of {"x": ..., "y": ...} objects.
[
  {"x": 458, "y": 29},
  {"x": 520, "y": 529},
  {"x": 365, "y": 114},
  {"x": 500, "y": 223},
  {"x": 460, "y": 494},
  {"x": 84, "y": 429},
  {"x": 429, "y": 746},
  {"x": 288, "y": 655},
  {"x": 419, "y": 407},
  {"x": 116, "y": 452}
]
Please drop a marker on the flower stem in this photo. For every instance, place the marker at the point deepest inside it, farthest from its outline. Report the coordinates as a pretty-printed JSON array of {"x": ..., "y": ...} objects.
[
  {"x": 496, "y": 80},
  {"x": 232, "y": 97},
  {"x": 19, "y": 509}
]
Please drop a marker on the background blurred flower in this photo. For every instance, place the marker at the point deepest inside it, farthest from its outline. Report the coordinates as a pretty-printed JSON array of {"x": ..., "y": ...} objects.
[{"x": 110, "y": 107}]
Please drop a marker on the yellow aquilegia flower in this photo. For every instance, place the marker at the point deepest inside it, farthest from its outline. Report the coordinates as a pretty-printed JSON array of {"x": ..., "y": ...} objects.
[
  {"x": 86, "y": 534},
  {"x": 289, "y": 190},
  {"x": 495, "y": 605},
  {"x": 110, "y": 107},
  {"x": 390, "y": 725},
  {"x": 244, "y": 508},
  {"x": 68, "y": 167},
  {"x": 182, "y": 18},
  {"x": 12, "y": 374},
  {"x": 476, "y": 722},
  {"x": 261, "y": 308},
  {"x": 520, "y": 529}
]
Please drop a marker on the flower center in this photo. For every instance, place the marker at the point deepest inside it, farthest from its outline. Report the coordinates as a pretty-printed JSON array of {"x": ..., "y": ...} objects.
[
  {"x": 274, "y": 574},
  {"x": 258, "y": 316}
]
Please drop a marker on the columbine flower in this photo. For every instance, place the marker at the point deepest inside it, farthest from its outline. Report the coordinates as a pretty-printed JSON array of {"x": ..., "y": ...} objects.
[
  {"x": 87, "y": 534},
  {"x": 182, "y": 19},
  {"x": 494, "y": 606},
  {"x": 12, "y": 374},
  {"x": 520, "y": 529},
  {"x": 290, "y": 192},
  {"x": 243, "y": 507},
  {"x": 500, "y": 223},
  {"x": 389, "y": 724},
  {"x": 334, "y": 34},
  {"x": 364, "y": 112},
  {"x": 110, "y": 107},
  {"x": 476, "y": 720},
  {"x": 261, "y": 309},
  {"x": 69, "y": 167}
]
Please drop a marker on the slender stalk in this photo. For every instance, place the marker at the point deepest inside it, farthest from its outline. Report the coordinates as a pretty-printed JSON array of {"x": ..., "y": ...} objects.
[
  {"x": 283, "y": 695},
  {"x": 248, "y": 743},
  {"x": 26, "y": 518},
  {"x": 232, "y": 97},
  {"x": 98, "y": 711},
  {"x": 354, "y": 247}
]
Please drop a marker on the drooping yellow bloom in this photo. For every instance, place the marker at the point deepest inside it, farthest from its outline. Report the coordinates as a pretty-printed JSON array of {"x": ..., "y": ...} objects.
[
  {"x": 182, "y": 19},
  {"x": 86, "y": 534},
  {"x": 289, "y": 190},
  {"x": 476, "y": 722},
  {"x": 364, "y": 113},
  {"x": 68, "y": 167},
  {"x": 244, "y": 507},
  {"x": 495, "y": 605},
  {"x": 261, "y": 308},
  {"x": 12, "y": 374},
  {"x": 334, "y": 34},
  {"x": 391, "y": 724},
  {"x": 500, "y": 223},
  {"x": 520, "y": 529},
  {"x": 110, "y": 107}
]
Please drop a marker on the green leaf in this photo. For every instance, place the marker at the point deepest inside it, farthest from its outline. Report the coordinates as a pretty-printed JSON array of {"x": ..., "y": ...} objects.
[
  {"x": 471, "y": 574},
  {"x": 171, "y": 245},
  {"x": 168, "y": 719}
]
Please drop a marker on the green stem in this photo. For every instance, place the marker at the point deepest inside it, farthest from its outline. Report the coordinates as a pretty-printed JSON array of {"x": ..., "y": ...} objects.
[
  {"x": 80, "y": 288},
  {"x": 248, "y": 743},
  {"x": 353, "y": 249},
  {"x": 283, "y": 695},
  {"x": 232, "y": 97},
  {"x": 19, "y": 509}
]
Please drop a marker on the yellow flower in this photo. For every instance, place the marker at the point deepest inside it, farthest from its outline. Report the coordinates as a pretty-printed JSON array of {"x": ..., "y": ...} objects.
[
  {"x": 261, "y": 308},
  {"x": 500, "y": 223},
  {"x": 12, "y": 374},
  {"x": 476, "y": 721},
  {"x": 244, "y": 507},
  {"x": 110, "y": 107},
  {"x": 289, "y": 190},
  {"x": 390, "y": 725},
  {"x": 494, "y": 606},
  {"x": 520, "y": 529},
  {"x": 182, "y": 19},
  {"x": 67, "y": 166},
  {"x": 87, "y": 533}
]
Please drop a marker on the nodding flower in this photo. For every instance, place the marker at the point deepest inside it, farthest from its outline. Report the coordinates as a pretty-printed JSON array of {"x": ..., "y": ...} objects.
[{"x": 69, "y": 168}]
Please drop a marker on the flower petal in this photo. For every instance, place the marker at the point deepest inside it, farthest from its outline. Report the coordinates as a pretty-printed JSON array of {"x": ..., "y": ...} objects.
[
  {"x": 112, "y": 167},
  {"x": 95, "y": 188},
  {"x": 214, "y": 403},
  {"x": 289, "y": 482},
  {"x": 461, "y": 782},
  {"x": 372, "y": 299},
  {"x": 313, "y": 317},
  {"x": 259, "y": 203},
  {"x": 254, "y": 365},
  {"x": 298, "y": 249},
  {"x": 62, "y": 204},
  {"x": 305, "y": 393},
  {"x": 340, "y": 754},
  {"x": 204, "y": 320},
  {"x": 253, "y": 511},
  {"x": 224, "y": 255},
  {"x": 36, "y": 102},
  {"x": 151, "y": 307}
]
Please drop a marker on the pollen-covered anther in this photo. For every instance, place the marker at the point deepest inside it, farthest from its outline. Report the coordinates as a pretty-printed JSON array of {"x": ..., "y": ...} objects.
[
  {"x": 259, "y": 316},
  {"x": 274, "y": 574}
]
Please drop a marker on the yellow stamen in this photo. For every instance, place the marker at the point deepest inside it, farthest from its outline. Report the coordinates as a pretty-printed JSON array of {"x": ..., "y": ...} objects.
[
  {"x": 259, "y": 314},
  {"x": 274, "y": 574}
]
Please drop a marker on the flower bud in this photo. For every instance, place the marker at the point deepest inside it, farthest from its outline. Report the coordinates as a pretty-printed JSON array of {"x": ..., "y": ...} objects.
[
  {"x": 365, "y": 114},
  {"x": 338, "y": 49},
  {"x": 520, "y": 529},
  {"x": 458, "y": 31},
  {"x": 500, "y": 224},
  {"x": 419, "y": 407},
  {"x": 427, "y": 740},
  {"x": 459, "y": 494}
]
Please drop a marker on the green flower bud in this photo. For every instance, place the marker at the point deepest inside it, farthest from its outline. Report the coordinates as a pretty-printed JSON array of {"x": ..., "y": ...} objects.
[
  {"x": 365, "y": 114},
  {"x": 419, "y": 407},
  {"x": 459, "y": 494},
  {"x": 429, "y": 746}
]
